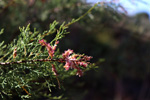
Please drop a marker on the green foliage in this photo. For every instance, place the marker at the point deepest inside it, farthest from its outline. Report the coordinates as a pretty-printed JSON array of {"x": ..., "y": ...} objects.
[
  {"x": 32, "y": 76},
  {"x": 25, "y": 68},
  {"x": 14, "y": 77}
]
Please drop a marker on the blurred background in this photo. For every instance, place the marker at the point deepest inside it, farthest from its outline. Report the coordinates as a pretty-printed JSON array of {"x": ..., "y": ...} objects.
[{"x": 118, "y": 42}]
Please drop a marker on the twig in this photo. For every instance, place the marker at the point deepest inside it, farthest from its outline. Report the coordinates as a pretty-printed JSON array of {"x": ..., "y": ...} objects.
[
  {"x": 30, "y": 61},
  {"x": 38, "y": 60}
]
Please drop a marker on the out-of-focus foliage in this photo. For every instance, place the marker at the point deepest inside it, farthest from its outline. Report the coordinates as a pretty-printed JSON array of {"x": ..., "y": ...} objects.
[
  {"x": 26, "y": 70},
  {"x": 39, "y": 13}
]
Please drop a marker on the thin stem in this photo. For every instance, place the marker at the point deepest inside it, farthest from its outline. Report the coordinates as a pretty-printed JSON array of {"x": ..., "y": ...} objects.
[
  {"x": 82, "y": 15},
  {"x": 39, "y": 60},
  {"x": 31, "y": 61}
]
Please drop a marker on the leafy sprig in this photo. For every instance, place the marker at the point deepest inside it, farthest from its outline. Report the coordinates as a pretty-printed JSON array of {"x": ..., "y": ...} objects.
[{"x": 26, "y": 67}]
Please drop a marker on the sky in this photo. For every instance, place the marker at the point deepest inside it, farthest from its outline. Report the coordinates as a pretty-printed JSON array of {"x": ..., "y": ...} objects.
[{"x": 131, "y": 6}]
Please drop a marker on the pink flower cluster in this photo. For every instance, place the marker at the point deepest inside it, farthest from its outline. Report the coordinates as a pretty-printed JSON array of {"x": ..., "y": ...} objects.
[
  {"x": 50, "y": 49},
  {"x": 72, "y": 61}
]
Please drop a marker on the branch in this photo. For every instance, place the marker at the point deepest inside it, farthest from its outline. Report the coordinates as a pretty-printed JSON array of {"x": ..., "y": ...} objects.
[
  {"x": 31, "y": 61},
  {"x": 38, "y": 60}
]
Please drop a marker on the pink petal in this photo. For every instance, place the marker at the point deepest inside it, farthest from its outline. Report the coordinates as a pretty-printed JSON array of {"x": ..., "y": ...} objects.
[
  {"x": 67, "y": 53},
  {"x": 83, "y": 64},
  {"x": 42, "y": 42},
  {"x": 67, "y": 65}
]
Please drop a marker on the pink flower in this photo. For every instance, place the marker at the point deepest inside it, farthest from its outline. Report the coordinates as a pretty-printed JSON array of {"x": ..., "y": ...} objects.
[
  {"x": 50, "y": 49},
  {"x": 67, "y": 53},
  {"x": 54, "y": 47},
  {"x": 54, "y": 69},
  {"x": 87, "y": 58},
  {"x": 72, "y": 61},
  {"x": 67, "y": 65},
  {"x": 84, "y": 64},
  {"x": 42, "y": 42}
]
